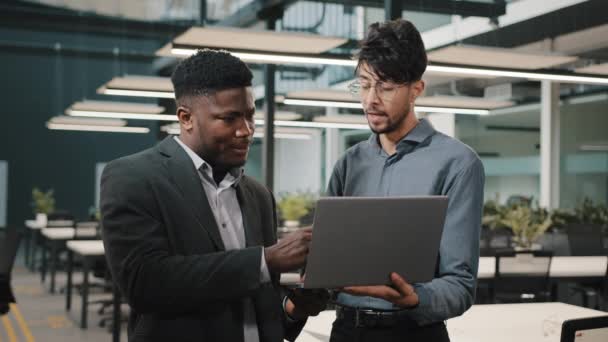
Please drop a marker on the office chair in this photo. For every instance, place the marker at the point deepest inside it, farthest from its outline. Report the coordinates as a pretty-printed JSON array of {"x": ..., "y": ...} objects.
[
  {"x": 586, "y": 240},
  {"x": 522, "y": 276}
]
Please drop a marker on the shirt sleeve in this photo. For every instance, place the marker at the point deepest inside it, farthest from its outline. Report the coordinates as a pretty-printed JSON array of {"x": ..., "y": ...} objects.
[
  {"x": 452, "y": 291},
  {"x": 336, "y": 182},
  {"x": 264, "y": 273}
]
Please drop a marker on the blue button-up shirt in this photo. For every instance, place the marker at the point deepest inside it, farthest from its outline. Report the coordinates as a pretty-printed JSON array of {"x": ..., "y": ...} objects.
[{"x": 427, "y": 162}]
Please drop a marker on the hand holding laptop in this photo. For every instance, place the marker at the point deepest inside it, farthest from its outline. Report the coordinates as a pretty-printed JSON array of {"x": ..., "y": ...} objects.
[{"x": 401, "y": 293}]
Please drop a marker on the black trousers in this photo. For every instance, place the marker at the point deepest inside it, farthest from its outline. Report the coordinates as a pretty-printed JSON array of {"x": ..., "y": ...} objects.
[{"x": 345, "y": 331}]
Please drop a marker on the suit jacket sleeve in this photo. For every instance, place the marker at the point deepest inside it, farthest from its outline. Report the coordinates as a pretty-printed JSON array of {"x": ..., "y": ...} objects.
[
  {"x": 292, "y": 328},
  {"x": 6, "y": 294},
  {"x": 152, "y": 278}
]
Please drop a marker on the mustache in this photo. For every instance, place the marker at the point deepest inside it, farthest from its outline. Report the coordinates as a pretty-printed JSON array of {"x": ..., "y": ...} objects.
[{"x": 372, "y": 111}]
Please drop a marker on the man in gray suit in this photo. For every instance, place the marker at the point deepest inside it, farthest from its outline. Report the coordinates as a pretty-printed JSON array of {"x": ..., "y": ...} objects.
[{"x": 190, "y": 239}]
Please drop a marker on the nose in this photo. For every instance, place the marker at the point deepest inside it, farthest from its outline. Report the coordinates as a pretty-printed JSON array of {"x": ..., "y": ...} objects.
[
  {"x": 245, "y": 128},
  {"x": 371, "y": 97}
]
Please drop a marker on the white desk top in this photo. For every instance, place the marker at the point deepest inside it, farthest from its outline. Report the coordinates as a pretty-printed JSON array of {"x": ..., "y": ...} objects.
[
  {"x": 86, "y": 247},
  {"x": 533, "y": 322},
  {"x": 536, "y": 322},
  {"x": 578, "y": 266},
  {"x": 561, "y": 266},
  {"x": 67, "y": 233},
  {"x": 33, "y": 224}
]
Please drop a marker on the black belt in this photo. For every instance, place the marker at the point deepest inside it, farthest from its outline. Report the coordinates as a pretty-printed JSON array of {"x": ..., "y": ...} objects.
[{"x": 370, "y": 318}]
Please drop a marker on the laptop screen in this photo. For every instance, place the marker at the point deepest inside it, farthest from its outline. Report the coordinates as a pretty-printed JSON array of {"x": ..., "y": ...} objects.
[
  {"x": 589, "y": 329},
  {"x": 591, "y": 335}
]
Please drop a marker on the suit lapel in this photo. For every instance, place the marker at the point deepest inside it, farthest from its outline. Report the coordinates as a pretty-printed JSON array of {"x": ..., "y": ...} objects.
[
  {"x": 251, "y": 220},
  {"x": 186, "y": 178}
]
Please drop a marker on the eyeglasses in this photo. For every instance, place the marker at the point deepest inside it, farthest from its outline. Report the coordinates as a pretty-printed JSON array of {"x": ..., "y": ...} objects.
[{"x": 384, "y": 91}]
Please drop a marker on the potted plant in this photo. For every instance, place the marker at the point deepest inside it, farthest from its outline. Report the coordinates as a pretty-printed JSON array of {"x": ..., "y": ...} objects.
[
  {"x": 293, "y": 207},
  {"x": 43, "y": 204},
  {"x": 527, "y": 224}
]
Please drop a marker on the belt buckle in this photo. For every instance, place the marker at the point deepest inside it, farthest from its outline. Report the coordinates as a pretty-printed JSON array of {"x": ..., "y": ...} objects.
[{"x": 361, "y": 315}]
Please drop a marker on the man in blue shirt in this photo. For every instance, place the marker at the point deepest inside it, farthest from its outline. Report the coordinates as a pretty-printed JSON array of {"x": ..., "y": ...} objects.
[{"x": 407, "y": 156}]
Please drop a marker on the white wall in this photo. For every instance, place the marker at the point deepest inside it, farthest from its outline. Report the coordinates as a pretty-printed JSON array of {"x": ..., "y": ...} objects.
[{"x": 3, "y": 191}]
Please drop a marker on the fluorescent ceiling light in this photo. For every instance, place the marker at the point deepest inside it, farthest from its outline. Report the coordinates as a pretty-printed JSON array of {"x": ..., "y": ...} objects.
[
  {"x": 462, "y": 71},
  {"x": 119, "y": 110},
  {"x": 139, "y": 93},
  {"x": 115, "y": 106},
  {"x": 277, "y": 135},
  {"x": 322, "y": 103},
  {"x": 539, "y": 76},
  {"x": 174, "y": 128},
  {"x": 276, "y": 58},
  {"x": 137, "y": 85},
  {"x": 357, "y": 105},
  {"x": 92, "y": 124},
  {"x": 95, "y": 128},
  {"x": 118, "y": 115},
  {"x": 252, "y": 40},
  {"x": 87, "y": 121},
  {"x": 462, "y": 102},
  {"x": 342, "y": 118},
  {"x": 309, "y": 124},
  {"x": 472, "y": 111}
]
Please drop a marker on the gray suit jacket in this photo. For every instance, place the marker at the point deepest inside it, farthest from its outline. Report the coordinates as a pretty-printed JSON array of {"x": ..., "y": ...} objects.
[{"x": 167, "y": 256}]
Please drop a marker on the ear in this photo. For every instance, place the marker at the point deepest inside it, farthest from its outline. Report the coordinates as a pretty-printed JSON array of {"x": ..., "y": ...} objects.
[
  {"x": 417, "y": 90},
  {"x": 184, "y": 116}
]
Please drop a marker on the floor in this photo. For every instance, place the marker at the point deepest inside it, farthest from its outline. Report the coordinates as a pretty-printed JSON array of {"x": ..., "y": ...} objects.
[{"x": 41, "y": 316}]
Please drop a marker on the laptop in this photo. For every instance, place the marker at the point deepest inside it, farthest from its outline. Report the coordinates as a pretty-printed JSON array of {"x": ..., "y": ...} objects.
[
  {"x": 589, "y": 329},
  {"x": 358, "y": 241}
]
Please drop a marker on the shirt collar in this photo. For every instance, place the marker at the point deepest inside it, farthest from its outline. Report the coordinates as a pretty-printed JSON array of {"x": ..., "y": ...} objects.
[
  {"x": 417, "y": 135},
  {"x": 233, "y": 176}
]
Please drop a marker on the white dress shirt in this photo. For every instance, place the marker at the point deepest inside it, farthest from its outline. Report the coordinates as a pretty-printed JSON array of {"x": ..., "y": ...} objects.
[{"x": 227, "y": 211}]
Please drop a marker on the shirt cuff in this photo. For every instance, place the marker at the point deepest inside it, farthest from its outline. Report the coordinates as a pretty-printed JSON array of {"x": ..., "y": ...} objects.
[
  {"x": 420, "y": 312},
  {"x": 264, "y": 273}
]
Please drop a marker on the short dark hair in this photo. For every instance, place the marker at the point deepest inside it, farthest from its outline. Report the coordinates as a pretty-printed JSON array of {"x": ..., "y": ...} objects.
[
  {"x": 394, "y": 50},
  {"x": 208, "y": 71}
]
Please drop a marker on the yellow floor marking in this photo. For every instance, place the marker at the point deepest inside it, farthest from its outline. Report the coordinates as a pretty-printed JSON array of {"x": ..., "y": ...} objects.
[
  {"x": 24, "y": 328},
  {"x": 9, "y": 329}
]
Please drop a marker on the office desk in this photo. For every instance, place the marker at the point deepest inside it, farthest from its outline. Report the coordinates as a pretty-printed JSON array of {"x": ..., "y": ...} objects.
[
  {"x": 534, "y": 322},
  {"x": 561, "y": 267},
  {"x": 88, "y": 251},
  {"x": 55, "y": 238}
]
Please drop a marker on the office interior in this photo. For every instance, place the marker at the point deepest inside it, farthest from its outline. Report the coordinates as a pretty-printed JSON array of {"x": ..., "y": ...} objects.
[{"x": 524, "y": 83}]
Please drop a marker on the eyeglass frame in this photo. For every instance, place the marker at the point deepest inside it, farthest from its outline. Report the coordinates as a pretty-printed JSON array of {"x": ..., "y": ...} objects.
[{"x": 355, "y": 88}]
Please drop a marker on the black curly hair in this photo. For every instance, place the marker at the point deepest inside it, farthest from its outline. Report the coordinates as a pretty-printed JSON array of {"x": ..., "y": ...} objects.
[
  {"x": 394, "y": 50},
  {"x": 208, "y": 71}
]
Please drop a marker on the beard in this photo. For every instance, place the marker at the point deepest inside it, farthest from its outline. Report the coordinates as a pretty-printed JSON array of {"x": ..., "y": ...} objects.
[{"x": 391, "y": 125}]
